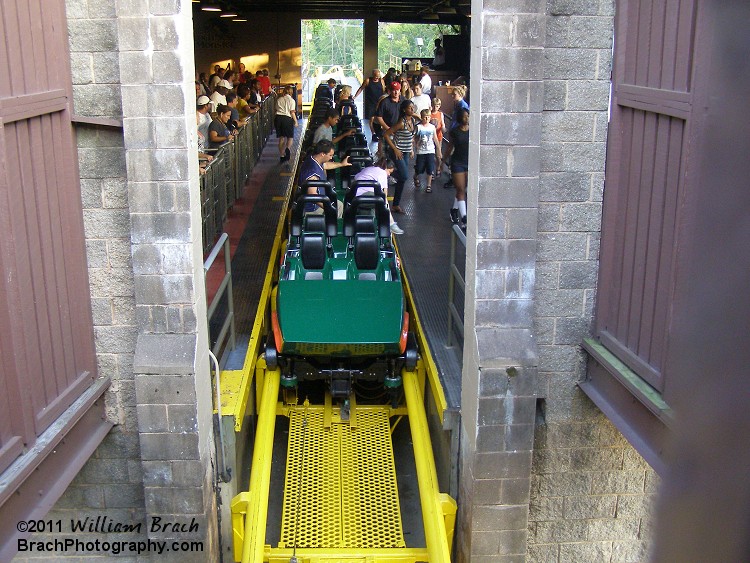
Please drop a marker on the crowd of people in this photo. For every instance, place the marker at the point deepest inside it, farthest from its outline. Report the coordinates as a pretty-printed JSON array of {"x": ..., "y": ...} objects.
[
  {"x": 231, "y": 97},
  {"x": 408, "y": 126},
  {"x": 409, "y": 130}
]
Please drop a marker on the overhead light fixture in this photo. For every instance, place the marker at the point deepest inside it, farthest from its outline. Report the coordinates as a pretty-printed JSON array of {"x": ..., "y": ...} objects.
[
  {"x": 228, "y": 15},
  {"x": 431, "y": 17},
  {"x": 239, "y": 20},
  {"x": 446, "y": 10},
  {"x": 211, "y": 8}
]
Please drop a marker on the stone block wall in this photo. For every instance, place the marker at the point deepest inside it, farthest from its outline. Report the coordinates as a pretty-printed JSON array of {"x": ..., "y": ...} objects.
[
  {"x": 500, "y": 356},
  {"x": 171, "y": 363},
  {"x": 544, "y": 475},
  {"x": 110, "y": 485},
  {"x": 130, "y": 65},
  {"x": 591, "y": 493}
]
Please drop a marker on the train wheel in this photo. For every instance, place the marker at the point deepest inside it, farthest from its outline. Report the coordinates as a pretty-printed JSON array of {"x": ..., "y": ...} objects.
[
  {"x": 411, "y": 354},
  {"x": 272, "y": 357}
]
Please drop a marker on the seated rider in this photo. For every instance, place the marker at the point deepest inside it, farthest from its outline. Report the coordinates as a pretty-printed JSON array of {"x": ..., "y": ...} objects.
[
  {"x": 314, "y": 168},
  {"x": 379, "y": 172},
  {"x": 325, "y": 131}
]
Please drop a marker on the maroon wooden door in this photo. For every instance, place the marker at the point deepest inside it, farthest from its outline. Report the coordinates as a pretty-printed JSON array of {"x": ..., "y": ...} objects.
[
  {"x": 645, "y": 180},
  {"x": 46, "y": 340}
]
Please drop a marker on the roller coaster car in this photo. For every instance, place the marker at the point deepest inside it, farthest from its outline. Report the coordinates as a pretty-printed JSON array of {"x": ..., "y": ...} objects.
[{"x": 339, "y": 306}]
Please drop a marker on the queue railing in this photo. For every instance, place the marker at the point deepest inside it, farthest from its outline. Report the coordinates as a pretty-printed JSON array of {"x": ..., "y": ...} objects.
[
  {"x": 226, "y": 175},
  {"x": 456, "y": 287}
]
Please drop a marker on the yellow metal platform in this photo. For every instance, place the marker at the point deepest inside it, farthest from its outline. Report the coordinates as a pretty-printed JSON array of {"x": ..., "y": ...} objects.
[{"x": 340, "y": 488}]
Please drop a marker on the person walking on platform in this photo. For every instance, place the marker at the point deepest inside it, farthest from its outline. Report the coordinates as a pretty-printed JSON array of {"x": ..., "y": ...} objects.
[
  {"x": 427, "y": 149},
  {"x": 387, "y": 111},
  {"x": 459, "y": 105},
  {"x": 285, "y": 122},
  {"x": 438, "y": 120},
  {"x": 460, "y": 167},
  {"x": 374, "y": 88},
  {"x": 400, "y": 139}
]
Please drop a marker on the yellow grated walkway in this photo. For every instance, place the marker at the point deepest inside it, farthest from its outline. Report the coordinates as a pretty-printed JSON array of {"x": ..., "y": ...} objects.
[{"x": 340, "y": 488}]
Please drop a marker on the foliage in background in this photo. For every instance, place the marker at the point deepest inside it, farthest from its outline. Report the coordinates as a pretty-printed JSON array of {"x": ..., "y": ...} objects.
[{"x": 326, "y": 43}]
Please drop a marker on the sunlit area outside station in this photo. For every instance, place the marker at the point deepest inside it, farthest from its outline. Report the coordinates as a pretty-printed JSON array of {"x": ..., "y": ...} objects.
[{"x": 334, "y": 49}]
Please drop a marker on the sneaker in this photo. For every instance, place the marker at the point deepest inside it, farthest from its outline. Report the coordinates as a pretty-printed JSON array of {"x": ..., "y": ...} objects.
[
  {"x": 282, "y": 159},
  {"x": 428, "y": 189},
  {"x": 448, "y": 185},
  {"x": 454, "y": 215},
  {"x": 396, "y": 230},
  {"x": 288, "y": 154}
]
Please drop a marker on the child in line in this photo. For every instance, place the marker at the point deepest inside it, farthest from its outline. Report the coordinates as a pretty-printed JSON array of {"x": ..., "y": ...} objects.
[
  {"x": 438, "y": 120},
  {"x": 426, "y": 148}
]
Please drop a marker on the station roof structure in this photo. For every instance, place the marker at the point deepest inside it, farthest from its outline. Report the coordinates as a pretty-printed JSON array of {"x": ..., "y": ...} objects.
[{"x": 451, "y": 12}]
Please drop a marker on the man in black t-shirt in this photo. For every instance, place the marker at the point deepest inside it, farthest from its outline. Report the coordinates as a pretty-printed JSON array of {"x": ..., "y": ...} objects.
[{"x": 387, "y": 111}]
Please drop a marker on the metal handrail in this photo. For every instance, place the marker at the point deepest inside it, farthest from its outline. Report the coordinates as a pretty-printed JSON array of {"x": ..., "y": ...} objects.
[
  {"x": 225, "y": 286},
  {"x": 455, "y": 277},
  {"x": 227, "y": 173}
]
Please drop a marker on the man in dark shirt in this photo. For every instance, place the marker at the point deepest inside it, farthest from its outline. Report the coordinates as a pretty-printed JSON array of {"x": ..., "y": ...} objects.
[
  {"x": 387, "y": 111},
  {"x": 314, "y": 167}
]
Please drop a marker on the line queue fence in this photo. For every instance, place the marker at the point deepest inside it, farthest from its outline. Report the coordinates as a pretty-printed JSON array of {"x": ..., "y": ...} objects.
[
  {"x": 456, "y": 288},
  {"x": 227, "y": 173}
]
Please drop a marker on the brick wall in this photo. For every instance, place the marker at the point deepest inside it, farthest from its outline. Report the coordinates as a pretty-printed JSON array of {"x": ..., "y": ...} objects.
[
  {"x": 590, "y": 491},
  {"x": 544, "y": 475},
  {"x": 142, "y": 226},
  {"x": 111, "y": 482}
]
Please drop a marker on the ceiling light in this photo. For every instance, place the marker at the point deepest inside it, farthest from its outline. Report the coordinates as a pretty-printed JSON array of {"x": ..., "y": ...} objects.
[
  {"x": 228, "y": 15},
  {"x": 239, "y": 20},
  {"x": 211, "y": 8}
]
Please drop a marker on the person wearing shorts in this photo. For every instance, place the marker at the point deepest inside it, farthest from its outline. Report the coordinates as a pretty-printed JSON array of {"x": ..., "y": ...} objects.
[
  {"x": 460, "y": 167},
  {"x": 285, "y": 122},
  {"x": 427, "y": 149}
]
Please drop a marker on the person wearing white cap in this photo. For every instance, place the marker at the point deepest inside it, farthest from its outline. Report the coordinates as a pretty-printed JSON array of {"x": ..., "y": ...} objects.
[
  {"x": 218, "y": 98},
  {"x": 203, "y": 105}
]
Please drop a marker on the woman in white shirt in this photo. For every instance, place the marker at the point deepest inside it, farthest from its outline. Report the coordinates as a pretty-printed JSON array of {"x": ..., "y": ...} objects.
[{"x": 379, "y": 172}]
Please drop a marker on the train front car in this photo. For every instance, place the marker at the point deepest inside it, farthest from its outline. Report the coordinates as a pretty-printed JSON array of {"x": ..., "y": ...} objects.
[{"x": 339, "y": 313}]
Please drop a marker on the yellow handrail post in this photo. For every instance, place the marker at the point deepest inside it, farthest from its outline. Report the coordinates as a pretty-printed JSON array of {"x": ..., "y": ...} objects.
[
  {"x": 429, "y": 493},
  {"x": 449, "y": 514},
  {"x": 239, "y": 511}
]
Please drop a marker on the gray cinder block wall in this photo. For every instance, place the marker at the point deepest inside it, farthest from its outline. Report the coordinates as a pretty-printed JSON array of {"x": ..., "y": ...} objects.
[
  {"x": 171, "y": 362},
  {"x": 131, "y": 64},
  {"x": 544, "y": 475},
  {"x": 591, "y": 492},
  {"x": 111, "y": 482}
]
